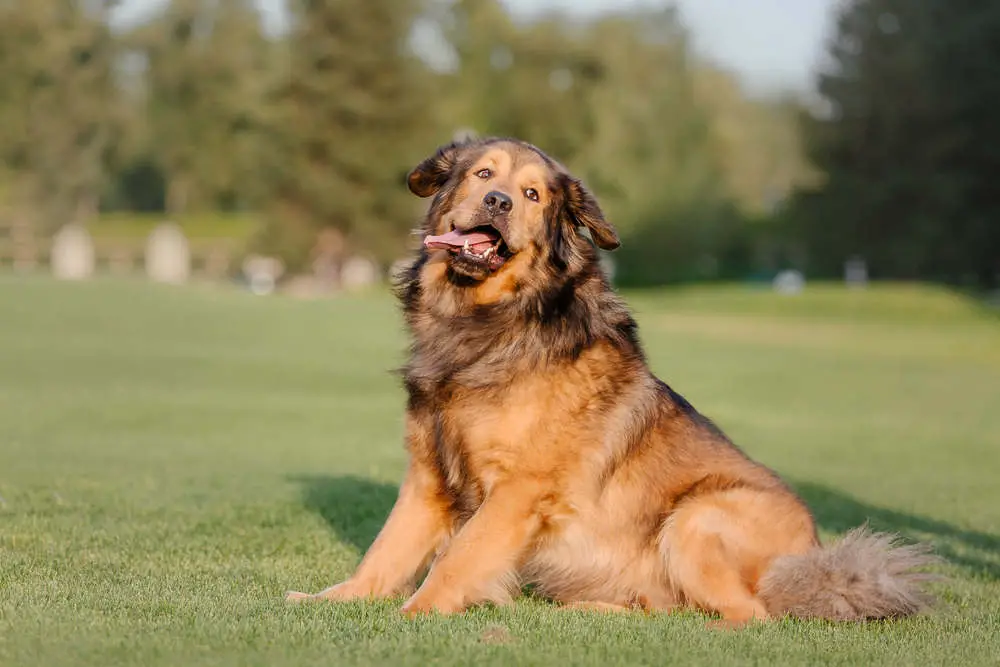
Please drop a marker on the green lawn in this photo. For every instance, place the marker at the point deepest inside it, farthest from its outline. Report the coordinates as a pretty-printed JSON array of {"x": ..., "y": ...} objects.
[{"x": 173, "y": 459}]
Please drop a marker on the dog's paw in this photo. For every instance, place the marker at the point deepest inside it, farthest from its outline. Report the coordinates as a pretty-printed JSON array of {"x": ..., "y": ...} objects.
[
  {"x": 415, "y": 607},
  {"x": 343, "y": 591},
  {"x": 423, "y": 605},
  {"x": 295, "y": 596},
  {"x": 413, "y": 611}
]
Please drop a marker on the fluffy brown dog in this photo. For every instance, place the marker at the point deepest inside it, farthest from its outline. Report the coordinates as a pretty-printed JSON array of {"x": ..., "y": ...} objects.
[{"x": 543, "y": 450}]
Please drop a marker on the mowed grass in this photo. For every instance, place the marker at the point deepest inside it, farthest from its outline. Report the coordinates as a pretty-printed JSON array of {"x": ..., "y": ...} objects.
[{"x": 173, "y": 459}]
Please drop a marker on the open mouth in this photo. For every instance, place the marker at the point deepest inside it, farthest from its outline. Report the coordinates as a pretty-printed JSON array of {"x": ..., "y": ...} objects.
[{"x": 481, "y": 246}]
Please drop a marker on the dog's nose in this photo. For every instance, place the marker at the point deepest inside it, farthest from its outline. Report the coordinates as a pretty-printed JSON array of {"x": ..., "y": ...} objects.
[{"x": 497, "y": 202}]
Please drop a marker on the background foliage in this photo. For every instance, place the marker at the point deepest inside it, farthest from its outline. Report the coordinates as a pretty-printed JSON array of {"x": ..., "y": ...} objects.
[{"x": 200, "y": 110}]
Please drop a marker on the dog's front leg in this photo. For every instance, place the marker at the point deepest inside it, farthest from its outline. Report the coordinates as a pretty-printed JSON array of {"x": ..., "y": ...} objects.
[
  {"x": 419, "y": 522},
  {"x": 485, "y": 551}
]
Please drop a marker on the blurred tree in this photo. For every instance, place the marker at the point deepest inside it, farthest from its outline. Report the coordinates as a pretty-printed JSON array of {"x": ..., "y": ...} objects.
[
  {"x": 755, "y": 141},
  {"x": 615, "y": 100},
  {"x": 345, "y": 122},
  {"x": 532, "y": 81},
  {"x": 964, "y": 67},
  {"x": 905, "y": 142},
  {"x": 649, "y": 152},
  {"x": 316, "y": 127},
  {"x": 60, "y": 111},
  {"x": 204, "y": 75},
  {"x": 20, "y": 47},
  {"x": 651, "y": 157}
]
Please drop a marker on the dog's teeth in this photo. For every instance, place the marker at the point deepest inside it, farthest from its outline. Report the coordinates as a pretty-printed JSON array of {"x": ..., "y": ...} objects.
[
  {"x": 465, "y": 248},
  {"x": 488, "y": 252}
]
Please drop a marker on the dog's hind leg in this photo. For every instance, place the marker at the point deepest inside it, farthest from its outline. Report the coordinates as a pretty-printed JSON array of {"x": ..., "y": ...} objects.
[
  {"x": 719, "y": 545},
  {"x": 709, "y": 577}
]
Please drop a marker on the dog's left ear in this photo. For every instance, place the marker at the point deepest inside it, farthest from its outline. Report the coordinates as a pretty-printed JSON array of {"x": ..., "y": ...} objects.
[
  {"x": 428, "y": 177},
  {"x": 584, "y": 211}
]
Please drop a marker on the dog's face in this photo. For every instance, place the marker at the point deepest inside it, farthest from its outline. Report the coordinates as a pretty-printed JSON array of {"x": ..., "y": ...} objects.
[{"x": 501, "y": 204}]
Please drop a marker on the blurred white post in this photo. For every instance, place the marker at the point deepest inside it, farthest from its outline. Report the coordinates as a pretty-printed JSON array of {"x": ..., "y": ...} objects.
[
  {"x": 789, "y": 282},
  {"x": 73, "y": 253},
  {"x": 856, "y": 272},
  {"x": 168, "y": 255},
  {"x": 262, "y": 273},
  {"x": 358, "y": 273}
]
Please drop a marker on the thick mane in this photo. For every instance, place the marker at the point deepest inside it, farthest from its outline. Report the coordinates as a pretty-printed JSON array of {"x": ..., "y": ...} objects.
[{"x": 555, "y": 317}]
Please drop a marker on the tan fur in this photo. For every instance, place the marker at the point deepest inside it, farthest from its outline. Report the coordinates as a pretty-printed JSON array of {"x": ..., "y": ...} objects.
[{"x": 543, "y": 450}]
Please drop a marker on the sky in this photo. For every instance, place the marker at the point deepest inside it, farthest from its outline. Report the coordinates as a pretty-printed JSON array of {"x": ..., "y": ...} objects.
[{"x": 770, "y": 44}]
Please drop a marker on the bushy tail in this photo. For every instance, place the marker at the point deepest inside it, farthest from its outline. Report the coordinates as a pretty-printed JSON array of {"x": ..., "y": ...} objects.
[{"x": 863, "y": 576}]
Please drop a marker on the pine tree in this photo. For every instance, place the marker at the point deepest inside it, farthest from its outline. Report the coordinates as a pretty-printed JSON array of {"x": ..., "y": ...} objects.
[{"x": 907, "y": 142}]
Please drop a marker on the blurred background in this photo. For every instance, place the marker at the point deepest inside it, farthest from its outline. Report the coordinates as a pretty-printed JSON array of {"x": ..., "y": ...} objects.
[
  {"x": 811, "y": 246},
  {"x": 267, "y": 141}
]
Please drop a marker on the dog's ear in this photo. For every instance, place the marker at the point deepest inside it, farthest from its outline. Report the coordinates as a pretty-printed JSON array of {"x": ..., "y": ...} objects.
[
  {"x": 428, "y": 177},
  {"x": 584, "y": 211}
]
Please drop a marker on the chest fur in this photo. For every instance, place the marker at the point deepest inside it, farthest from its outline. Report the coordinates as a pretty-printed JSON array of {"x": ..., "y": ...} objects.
[{"x": 538, "y": 425}]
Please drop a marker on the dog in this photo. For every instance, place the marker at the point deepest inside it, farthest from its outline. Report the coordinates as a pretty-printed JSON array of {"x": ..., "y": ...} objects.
[{"x": 543, "y": 450}]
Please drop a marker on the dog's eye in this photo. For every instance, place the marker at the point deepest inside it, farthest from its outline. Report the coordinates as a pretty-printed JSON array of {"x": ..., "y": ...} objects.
[
  {"x": 484, "y": 173},
  {"x": 532, "y": 194}
]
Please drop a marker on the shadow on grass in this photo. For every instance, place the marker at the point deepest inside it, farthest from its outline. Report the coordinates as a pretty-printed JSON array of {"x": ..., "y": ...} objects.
[
  {"x": 838, "y": 512},
  {"x": 355, "y": 508}
]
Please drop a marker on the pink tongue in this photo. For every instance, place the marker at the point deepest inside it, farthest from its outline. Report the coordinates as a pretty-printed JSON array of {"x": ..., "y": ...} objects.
[{"x": 457, "y": 239}]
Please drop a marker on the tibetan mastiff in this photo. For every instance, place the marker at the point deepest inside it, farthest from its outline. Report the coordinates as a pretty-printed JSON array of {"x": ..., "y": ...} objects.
[{"x": 544, "y": 451}]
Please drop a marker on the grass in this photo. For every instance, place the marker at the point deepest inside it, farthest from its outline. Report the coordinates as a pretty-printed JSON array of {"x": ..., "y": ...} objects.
[{"x": 173, "y": 459}]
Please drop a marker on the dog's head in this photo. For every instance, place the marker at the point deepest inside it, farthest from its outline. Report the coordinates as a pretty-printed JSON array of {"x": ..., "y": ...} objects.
[{"x": 503, "y": 208}]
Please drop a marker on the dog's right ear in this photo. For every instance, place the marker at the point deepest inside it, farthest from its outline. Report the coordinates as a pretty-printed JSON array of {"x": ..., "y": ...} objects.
[{"x": 430, "y": 175}]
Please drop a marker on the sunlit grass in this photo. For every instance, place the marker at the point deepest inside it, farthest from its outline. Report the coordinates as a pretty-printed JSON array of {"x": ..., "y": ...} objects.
[{"x": 173, "y": 459}]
